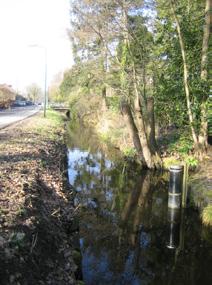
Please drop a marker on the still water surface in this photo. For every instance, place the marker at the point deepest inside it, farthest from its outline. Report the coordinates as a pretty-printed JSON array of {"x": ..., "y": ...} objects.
[{"x": 127, "y": 233}]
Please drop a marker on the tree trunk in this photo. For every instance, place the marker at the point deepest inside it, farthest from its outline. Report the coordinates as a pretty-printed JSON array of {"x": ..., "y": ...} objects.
[
  {"x": 150, "y": 124},
  {"x": 142, "y": 131},
  {"x": 133, "y": 130},
  {"x": 104, "y": 66},
  {"x": 185, "y": 73},
  {"x": 151, "y": 160},
  {"x": 151, "y": 157},
  {"x": 203, "y": 134},
  {"x": 104, "y": 100}
]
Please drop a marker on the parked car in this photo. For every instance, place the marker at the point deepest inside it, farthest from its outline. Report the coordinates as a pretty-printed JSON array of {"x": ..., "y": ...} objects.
[
  {"x": 19, "y": 103},
  {"x": 29, "y": 103}
]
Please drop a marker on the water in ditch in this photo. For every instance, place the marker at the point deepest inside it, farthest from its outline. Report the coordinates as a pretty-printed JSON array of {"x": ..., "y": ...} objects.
[{"x": 127, "y": 234}]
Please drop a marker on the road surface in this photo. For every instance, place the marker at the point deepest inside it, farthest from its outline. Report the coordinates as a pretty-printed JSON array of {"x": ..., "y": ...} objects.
[{"x": 8, "y": 117}]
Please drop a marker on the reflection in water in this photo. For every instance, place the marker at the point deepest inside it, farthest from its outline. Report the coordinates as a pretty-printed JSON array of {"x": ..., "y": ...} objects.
[
  {"x": 174, "y": 227},
  {"x": 127, "y": 233}
]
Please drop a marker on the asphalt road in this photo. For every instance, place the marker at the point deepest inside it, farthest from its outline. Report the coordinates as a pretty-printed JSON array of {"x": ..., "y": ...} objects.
[{"x": 8, "y": 117}]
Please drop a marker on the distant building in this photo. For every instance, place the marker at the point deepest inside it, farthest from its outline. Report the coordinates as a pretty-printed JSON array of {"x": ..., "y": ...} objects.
[{"x": 7, "y": 95}]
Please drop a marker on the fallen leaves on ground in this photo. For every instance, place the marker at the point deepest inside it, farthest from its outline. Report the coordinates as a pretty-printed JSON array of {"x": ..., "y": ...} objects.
[{"x": 36, "y": 209}]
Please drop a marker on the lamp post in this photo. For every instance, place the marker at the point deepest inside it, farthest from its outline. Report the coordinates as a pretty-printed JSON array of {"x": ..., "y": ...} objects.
[{"x": 45, "y": 76}]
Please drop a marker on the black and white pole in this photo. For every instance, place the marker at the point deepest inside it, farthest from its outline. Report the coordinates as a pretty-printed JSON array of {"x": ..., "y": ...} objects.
[{"x": 175, "y": 186}]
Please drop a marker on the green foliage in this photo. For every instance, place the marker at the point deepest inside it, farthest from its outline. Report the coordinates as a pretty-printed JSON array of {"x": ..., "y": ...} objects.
[
  {"x": 169, "y": 89},
  {"x": 191, "y": 161},
  {"x": 123, "y": 50},
  {"x": 179, "y": 145},
  {"x": 178, "y": 141},
  {"x": 82, "y": 78},
  {"x": 129, "y": 152},
  {"x": 183, "y": 145},
  {"x": 114, "y": 103},
  {"x": 17, "y": 239},
  {"x": 168, "y": 161},
  {"x": 55, "y": 95},
  {"x": 105, "y": 137}
]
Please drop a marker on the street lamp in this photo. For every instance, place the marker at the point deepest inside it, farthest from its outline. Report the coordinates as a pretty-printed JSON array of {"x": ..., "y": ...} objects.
[{"x": 45, "y": 76}]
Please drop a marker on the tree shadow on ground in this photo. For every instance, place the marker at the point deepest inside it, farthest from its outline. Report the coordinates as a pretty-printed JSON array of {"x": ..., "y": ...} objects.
[
  {"x": 39, "y": 245},
  {"x": 24, "y": 156}
]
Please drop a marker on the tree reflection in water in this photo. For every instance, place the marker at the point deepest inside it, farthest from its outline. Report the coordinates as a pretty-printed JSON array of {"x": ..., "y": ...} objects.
[{"x": 127, "y": 234}]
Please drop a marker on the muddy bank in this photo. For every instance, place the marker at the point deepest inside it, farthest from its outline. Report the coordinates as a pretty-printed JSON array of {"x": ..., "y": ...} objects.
[
  {"x": 36, "y": 204},
  {"x": 201, "y": 184}
]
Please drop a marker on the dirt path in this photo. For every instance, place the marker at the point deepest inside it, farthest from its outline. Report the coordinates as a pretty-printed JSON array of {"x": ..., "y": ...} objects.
[{"x": 36, "y": 211}]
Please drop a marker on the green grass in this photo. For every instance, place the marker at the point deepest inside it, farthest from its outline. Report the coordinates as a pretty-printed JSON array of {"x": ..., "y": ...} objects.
[
  {"x": 54, "y": 116},
  {"x": 168, "y": 161},
  {"x": 52, "y": 121}
]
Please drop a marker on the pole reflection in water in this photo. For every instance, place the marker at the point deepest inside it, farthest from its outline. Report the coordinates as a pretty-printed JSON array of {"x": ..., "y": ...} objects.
[
  {"x": 174, "y": 219},
  {"x": 123, "y": 224}
]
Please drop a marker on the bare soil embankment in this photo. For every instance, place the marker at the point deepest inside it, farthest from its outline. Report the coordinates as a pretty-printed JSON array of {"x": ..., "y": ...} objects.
[{"x": 36, "y": 209}]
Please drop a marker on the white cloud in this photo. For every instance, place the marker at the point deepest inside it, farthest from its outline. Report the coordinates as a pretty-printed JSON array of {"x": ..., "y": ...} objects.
[{"x": 25, "y": 22}]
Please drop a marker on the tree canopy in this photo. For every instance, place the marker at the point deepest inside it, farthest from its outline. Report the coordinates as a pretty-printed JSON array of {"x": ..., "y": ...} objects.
[{"x": 144, "y": 51}]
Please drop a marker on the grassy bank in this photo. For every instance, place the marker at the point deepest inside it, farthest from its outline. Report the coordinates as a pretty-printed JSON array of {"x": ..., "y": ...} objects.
[{"x": 36, "y": 210}]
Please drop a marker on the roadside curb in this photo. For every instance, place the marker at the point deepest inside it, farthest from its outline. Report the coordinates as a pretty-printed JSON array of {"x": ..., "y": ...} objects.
[{"x": 19, "y": 121}]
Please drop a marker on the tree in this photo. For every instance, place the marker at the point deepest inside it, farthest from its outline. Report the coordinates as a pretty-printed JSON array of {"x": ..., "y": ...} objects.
[
  {"x": 103, "y": 31},
  {"x": 162, "y": 59},
  {"x": 54, "y": 89},
  {"x": 192, "y": 43},
  {"x": 34, "y": 92}
]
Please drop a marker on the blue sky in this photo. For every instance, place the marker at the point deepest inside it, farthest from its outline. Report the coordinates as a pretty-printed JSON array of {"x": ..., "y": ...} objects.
[{"x": 30, "y": 22}]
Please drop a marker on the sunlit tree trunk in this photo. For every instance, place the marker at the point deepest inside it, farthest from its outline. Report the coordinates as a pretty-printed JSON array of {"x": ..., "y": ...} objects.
[
  {"x": 104, "y": 67},
  {"x": 150, "y": 159},
  {"x": 142, "y": 131},
  {"x": 199, "y": 138},
  {"x": 151, "y": 124},
  {"x": 127, "y": 113},
  {"x": 203, "y": 135},
  {"x": 185, "y": 73}
]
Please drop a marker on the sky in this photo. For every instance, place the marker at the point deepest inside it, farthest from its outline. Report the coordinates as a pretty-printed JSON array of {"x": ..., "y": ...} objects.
[{"x": 27, "y": 29}]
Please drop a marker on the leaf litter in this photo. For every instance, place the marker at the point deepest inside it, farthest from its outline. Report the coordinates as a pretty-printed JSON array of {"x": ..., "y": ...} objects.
[{"x": 36, "y": 205}]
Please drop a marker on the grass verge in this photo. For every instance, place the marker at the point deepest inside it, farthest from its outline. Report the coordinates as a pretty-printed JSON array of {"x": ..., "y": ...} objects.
[{"x": 36, "y": 209}]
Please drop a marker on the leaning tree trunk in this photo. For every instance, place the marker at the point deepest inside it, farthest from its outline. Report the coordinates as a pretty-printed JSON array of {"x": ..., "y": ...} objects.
[
  {"x": 150, "y": 124},
  {"x": 142, "y": 133},
  {"x": 104, "y": 67},
  {"x": 151, "y": 157},
  {"x": 151, "y": 160},
  {"x": 126, "y": 111},
  {"x": 203, "y": 135}
]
